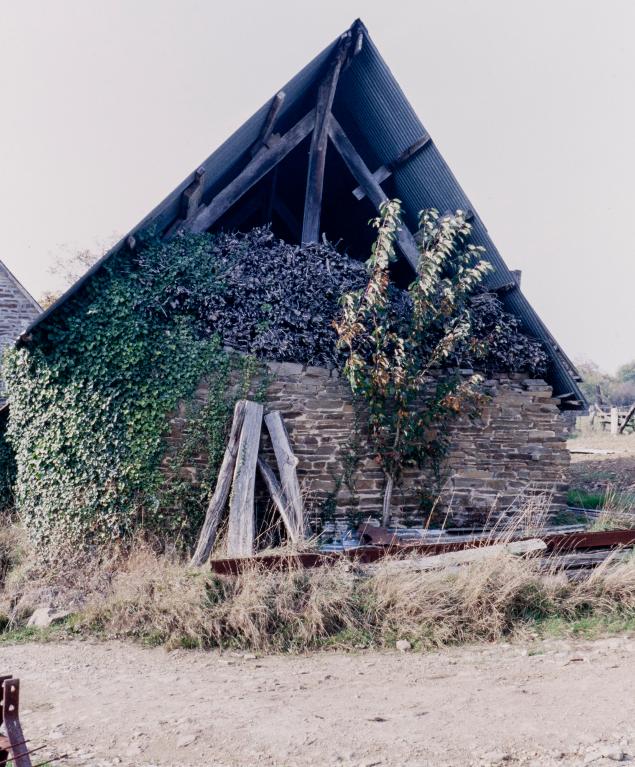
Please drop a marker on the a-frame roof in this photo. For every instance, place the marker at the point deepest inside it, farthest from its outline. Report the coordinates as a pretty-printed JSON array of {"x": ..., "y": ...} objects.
[{"x": 276, "y": 164}]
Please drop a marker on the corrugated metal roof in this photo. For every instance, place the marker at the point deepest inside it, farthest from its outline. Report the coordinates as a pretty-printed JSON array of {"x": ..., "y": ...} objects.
[{"x": 380, "y": 121}]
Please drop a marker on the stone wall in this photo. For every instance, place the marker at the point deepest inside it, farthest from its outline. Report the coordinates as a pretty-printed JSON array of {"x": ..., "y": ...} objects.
[
  {"x": 17, "y": 310},
  {"x": 515, "y": 449}
]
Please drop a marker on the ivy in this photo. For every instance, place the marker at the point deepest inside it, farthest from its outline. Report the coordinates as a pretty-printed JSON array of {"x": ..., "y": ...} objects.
[{"x": 88, "y": 402}]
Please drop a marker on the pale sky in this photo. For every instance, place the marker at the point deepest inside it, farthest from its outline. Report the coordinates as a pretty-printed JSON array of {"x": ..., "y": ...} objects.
[{"x": 108, "y": 105}]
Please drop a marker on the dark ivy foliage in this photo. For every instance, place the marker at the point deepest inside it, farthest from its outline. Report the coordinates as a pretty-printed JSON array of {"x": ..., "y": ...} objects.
[
  {"x": 504, "y": 346},
  {"x": 259, "y": 294},
  {"x": 90, "y": 392}
]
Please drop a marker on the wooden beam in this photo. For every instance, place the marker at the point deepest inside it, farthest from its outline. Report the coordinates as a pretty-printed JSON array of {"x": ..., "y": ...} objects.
[
  {"x": 626, "y": 421},
  {"x": 385, "y": 171},
  {"x": 374, "y": 192},
  {"x": 287, "y": 463},
  {"x": 258, "y": 167},
  {"x": 190, "y": 200},
  {"x": 242, "y": 522},
  {"x": 319, "y": 143},
  {"x": 216, "y": 506},
  {"x": 269, "y": 124},
  {"x": 279, "y": 498},
  {"x": 192, "y": 194}
]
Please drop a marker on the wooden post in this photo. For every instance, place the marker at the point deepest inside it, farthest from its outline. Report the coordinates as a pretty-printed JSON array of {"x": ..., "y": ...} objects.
[
  {"x": 287, "y": 463},
  {"x": 319, "y": 143},
  {"x": 217, "y": 503},
  {"x": 240, "y": 539},
  {"x": 614, "y": 420},
  {"x": 627, "y": 420}
]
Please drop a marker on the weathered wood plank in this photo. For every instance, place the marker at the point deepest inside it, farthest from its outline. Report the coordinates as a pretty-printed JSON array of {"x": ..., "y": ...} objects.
[
  {"x": 241, "y": 533},
  {"x": 287, "y": 463},
  {"x": 319, "y": 143},
  {"x": 279, "y": 498},
  {"x": 385, "y": 171},
  {"x": 216, "y": 506},
  {"x": 465, "y": 557},
  {"x": 270, "y": 123},
  {"x": 626, "y": 421},
  {"x": 258, "y": 167},
  {"x": 374, "y": 192},
  {"x": 190, "y": 200}
]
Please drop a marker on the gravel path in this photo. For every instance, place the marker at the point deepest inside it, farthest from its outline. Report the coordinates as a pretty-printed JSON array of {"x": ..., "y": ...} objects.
[{"x": 551, "y": 703}]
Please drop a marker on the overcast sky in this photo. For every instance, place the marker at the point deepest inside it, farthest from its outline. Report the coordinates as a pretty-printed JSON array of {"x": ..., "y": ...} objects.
[{"x": 107, "y": 105}]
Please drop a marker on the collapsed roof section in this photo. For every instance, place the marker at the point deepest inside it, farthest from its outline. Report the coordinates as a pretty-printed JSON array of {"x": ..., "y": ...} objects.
[{"x": 318, "y": 160}]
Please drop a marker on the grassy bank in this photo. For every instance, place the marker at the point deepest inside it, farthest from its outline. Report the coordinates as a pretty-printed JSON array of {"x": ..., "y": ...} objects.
[{"x": 156, "y": 599}]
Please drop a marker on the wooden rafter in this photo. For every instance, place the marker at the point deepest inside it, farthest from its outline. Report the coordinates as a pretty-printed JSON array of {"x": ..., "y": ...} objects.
[
  {"x": 319, "y": 143},
  {"x": 266, "y": 133},
  {"x": 369, "y": 183},
  {"x": 256, "y": 169},
  {"x": 385, "y": 171}
]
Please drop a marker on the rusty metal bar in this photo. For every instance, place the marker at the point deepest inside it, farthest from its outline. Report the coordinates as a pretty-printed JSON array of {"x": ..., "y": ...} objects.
[{"x": 559, "y": 542}]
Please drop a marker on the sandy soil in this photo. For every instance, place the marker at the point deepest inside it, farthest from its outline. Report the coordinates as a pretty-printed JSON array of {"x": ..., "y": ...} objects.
[
  {"x": 552, "y": 703},
  {"x": 596, "y": 473}
]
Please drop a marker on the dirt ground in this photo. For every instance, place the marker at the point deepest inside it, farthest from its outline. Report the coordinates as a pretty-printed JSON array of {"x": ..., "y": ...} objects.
[
  {"x": 597, "y": 472},
  {"x": 550, "y": 703}
]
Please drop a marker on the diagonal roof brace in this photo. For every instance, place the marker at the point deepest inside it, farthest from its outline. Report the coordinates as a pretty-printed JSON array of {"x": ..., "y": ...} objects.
[
  {"x": 360, "y": 171},
  {"x": 256, "y": 169}
]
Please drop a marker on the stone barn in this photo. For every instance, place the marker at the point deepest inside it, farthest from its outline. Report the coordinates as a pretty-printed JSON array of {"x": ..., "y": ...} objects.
[
  {"x": 315, "y": 163},
  {"x": 18, "y": 309}
]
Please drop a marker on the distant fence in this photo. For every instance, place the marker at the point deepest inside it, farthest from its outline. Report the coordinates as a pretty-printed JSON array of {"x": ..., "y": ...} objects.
[{"x": 616, "y": 420}]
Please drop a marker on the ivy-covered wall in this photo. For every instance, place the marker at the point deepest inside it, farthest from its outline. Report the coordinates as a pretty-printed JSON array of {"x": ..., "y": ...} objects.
[{"x": 90, "y": 390}]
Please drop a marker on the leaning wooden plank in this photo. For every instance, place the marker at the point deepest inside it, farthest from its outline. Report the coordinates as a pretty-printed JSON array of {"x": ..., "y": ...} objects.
[
  {"x": 319, "y": 143},
  {"x": 374, "y": 192},
  {"x": 287, "y": 463},
  {"x": 629, "y": 415},
  {"x": 256, "y": 169},
  {"x": 465, "y": 557},
  {"x": 241, "y": 534},
  {"x": 279, "y": 498},
  {"x": 217, "y": 503},
  {"x": 385, "y": 171}
]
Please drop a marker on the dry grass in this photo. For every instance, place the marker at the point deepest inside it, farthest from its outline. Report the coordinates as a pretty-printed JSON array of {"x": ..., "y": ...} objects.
[
  {"x": 158, "y": 600},
  {"x": 140, "y": 594}
]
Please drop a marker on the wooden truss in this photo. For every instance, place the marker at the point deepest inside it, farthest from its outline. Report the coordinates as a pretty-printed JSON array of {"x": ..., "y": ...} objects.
[{"x": 270, "y": 148}]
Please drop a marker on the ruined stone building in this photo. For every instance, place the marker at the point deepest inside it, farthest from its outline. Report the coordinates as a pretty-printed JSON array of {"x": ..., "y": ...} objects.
[{"x": 317, "y": 160}]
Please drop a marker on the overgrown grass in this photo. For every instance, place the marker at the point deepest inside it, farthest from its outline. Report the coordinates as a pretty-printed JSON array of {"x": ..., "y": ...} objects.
[
  {"x": 152, "y": 597},
  {"x": 155, "y": 599}
]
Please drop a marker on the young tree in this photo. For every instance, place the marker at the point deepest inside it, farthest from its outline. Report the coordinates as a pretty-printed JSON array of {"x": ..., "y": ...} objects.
[{"x": 390, "y": 358}]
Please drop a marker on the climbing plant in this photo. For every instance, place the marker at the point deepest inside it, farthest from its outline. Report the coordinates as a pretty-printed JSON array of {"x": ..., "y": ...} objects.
[
  {"x": 90, "y": 393},
  {"x": 392, "y": 358}
]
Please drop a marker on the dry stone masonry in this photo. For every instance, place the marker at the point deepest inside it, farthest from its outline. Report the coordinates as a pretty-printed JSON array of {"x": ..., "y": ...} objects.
[
  {"x": 515, "y": 449},
  {"x": 17, "y": 310}
]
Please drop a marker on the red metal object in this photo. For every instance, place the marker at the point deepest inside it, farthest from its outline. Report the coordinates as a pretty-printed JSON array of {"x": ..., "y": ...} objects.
[
  {"x": 560, "y": 542},
  {"x": 14, "y": 746}
]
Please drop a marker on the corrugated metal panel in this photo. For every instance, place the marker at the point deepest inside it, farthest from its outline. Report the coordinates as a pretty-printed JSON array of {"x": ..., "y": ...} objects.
[
  {"x": 380, "y": 121},
  {"x": 375, "y": 112}
]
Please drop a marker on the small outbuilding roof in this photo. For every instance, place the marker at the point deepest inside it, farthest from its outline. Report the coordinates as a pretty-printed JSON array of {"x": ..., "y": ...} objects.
[{"x": 318, "y": 158}]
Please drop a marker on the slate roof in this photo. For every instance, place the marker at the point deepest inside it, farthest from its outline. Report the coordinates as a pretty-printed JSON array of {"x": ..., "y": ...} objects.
[{"x": 376, "y": 115}]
